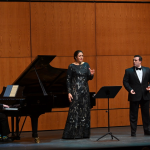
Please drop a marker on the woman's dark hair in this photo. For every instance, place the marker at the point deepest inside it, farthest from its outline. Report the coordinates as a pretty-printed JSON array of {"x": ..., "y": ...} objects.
[
  {"x": 76, "y": 53},
  {"x": 140, "y": 58}
]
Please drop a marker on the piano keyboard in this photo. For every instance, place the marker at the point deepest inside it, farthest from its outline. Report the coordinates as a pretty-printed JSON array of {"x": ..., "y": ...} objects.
[{"x": 10, "y": 109}]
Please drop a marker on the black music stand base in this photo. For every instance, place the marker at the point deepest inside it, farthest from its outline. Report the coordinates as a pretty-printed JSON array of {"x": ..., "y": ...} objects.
[
  {"x": 112, "y": 136},
  {"x": 108, "y": 92}
]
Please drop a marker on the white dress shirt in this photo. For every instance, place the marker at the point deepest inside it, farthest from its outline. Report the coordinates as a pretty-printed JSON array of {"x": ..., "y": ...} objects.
[{"x": 139, "y": 74}]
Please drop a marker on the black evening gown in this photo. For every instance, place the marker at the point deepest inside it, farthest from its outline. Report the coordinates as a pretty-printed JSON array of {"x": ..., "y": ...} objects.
[{"x": 78, "y": 121}]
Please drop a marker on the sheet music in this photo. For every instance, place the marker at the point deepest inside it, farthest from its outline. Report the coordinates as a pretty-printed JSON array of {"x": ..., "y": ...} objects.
[
  {"x": 8, "y": 90},
  {"x": 14, "y": 91},
  {"x": 11, "y": 90}
]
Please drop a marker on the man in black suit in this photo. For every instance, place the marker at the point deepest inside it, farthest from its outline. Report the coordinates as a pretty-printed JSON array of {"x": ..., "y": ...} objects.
[
  {"x": 4, "y": 127},
  {"x": 137, "y": 82}
]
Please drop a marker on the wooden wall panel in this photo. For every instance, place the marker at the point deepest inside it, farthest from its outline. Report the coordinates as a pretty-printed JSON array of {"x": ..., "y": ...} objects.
[
  {"x": 57, "y": 120},
  {"x": 94, "y": 119},
  {"x": 102, "y": 118},
  {"x": 118, "y": 117},
  {"x": 119, "y": 31},
  {"x": 54, "y": 121},
  {"x": 110, "y": 72},
  {"x": 122, "y": 28},
  {"x": 14, "y": 29},
  {"x": 11, "y": 68},
  {"x": 61, "y": 28}
]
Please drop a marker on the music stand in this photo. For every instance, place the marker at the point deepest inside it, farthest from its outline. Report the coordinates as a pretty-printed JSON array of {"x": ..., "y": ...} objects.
[{"x": 108, "y": 92}]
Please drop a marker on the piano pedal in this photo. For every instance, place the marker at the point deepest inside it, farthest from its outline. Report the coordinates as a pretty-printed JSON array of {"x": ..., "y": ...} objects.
[{"x": 37, "y": 140}]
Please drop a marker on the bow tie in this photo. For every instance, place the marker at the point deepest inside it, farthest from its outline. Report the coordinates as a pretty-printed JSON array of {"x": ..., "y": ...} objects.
[{"x": 138, "y": 68}]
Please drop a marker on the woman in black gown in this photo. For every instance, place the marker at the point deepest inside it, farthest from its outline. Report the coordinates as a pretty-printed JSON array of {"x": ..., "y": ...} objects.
[{"x": 78, "y": 121}]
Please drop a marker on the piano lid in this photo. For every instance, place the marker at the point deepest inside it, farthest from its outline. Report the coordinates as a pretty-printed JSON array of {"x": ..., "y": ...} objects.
[{"x": 53, "y": 79}]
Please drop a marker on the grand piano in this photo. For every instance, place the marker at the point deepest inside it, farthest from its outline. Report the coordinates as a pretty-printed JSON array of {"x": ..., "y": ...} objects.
[{"x": 40, "y": 88}]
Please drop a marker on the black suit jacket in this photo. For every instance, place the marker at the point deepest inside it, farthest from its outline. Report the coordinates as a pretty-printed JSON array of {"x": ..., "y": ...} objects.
[{"x": 131, "y": 81}]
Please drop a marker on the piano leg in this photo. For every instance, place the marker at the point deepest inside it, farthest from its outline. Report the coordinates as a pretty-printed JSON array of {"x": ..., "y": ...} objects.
[
  {"x": 34, "y": 122},
  {"x": 12, "y": 125},
  {"x": 17, "y": 128},
  {"x": 17, "y": 135}
]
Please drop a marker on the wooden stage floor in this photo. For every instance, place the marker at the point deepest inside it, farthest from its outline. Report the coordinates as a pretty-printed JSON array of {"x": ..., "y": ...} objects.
[{"x": 50, "y": 140}]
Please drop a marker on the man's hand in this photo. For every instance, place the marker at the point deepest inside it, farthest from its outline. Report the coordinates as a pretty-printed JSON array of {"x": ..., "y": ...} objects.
[
  {"x": 148, "y": 88},
  {"x": 70, "y": 97},
  {"x": 5, "y": 106},
  {"x": 132, "y": 92}
]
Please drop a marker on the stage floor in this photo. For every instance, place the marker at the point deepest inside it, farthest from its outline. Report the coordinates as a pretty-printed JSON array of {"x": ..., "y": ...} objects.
[{"x": 52, "y": 140}]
